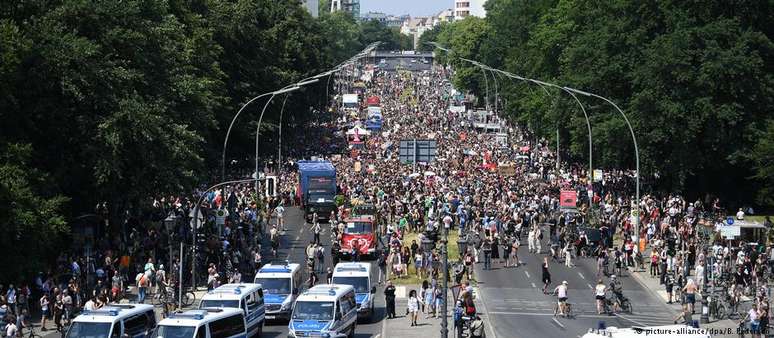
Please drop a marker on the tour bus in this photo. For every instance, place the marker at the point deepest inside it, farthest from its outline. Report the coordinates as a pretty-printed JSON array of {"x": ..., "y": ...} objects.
[
  {"x": 325, "y": 310},
  {"x": 245, "y": 296},
  {"x": 358, "y": 275},
  {"x": 114, "y": 321},
  {"x": 203, "y": 323},
  {"x": 280, "y": 284}
]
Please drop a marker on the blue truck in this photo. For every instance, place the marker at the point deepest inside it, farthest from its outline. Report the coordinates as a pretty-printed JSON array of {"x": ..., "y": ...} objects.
[{"x": 317, "y": 188}]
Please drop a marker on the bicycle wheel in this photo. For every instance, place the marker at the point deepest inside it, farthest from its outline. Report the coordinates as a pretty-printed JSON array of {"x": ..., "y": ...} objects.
[
  {"x": 626, "y": 306},
  {"x": 720, "y": 312},
  {"x": 188, "y": 298}
]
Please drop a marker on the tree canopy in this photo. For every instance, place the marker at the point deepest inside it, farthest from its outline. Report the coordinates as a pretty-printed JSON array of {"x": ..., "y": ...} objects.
[
  {"x": 694, "y": 78},
  {"x": 122, "y": 101}
]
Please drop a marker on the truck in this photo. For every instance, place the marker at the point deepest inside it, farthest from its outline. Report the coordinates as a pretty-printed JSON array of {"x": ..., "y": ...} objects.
[
  {"x": 359, "y": 232},
  {"x": 317, "y": 188}
]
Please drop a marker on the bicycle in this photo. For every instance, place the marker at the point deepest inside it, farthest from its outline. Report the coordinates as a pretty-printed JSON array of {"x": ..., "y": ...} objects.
[
  {"x": 567, "y": 310},
  {"x": 32, "y": 333}
]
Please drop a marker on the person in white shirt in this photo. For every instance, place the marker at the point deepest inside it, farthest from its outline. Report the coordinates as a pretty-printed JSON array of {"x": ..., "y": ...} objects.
[
  {"x": 561, "y": 295},
  {"x": 740, "y": 214},
  {"x": 413, "y": 307},
  {"x": 11, "y": 330},
  {"x": 280, "y": 211},
  {"x": 599, "y": 294}
]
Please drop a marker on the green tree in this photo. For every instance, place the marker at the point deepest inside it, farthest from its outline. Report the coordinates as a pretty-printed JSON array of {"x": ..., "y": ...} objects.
[
  {"x": 31, "y": 217},
  {"x": 762, "y": 156}
]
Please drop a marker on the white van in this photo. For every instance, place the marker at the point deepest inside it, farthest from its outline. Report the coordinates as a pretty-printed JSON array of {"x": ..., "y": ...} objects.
[
  {"x": 325, "y": 310},
  {"x": 280, "y": 284},
  {"x": 245, "y": 296},
  {"x": 358, "y": 275},
  {"x": 204, "y": 323},
  {"x": 114, "y": 321}
]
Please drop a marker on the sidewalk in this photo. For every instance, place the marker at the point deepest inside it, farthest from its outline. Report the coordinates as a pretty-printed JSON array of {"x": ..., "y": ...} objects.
[
  {"x": 718, "y": 328},
  {"x": 427, "y": 327}
]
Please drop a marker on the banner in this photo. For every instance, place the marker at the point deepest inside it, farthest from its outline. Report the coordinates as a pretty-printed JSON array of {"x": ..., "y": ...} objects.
[
  {"x": 506, "y": 170},
  {"x": 598, "y": 175},
  {"x": 568, "y": 199}
]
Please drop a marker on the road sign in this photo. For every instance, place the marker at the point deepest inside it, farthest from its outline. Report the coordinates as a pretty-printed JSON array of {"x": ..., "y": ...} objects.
[{"x": 411, "y": 151}]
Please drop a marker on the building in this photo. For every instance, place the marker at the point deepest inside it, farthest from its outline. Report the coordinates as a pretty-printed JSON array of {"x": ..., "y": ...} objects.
[
  {"x": 349, "y": 6},
  {"x": 397, "y": 21},
  {"x": 465, "y": 8},
  {"x": 313, "y": 6},
  {"x": 415, "y": 27},
  {"x": 446, "y": 15},
  {"x": 378, "y": 16}
]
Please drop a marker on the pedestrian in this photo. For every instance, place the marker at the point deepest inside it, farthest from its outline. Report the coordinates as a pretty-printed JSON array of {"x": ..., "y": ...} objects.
[
  {"x": 546, "y": 275},
  {"x": 44, "y": 302},
  {"x": 317, "y": 229},
  {"x": 329, "y": 276},
  {"x": 142, "y": 287},
  {"x": 487, "y": 249},
  {"x": 58, "y": 310},
  {"x": 382, "y": 264},
  {"x": 477, "y": 328},
  {"x": 320, "y": 258},
  {"x": 515, "y": 252},
  {"x": 67, "y": 301},
  {"x": 429, "y": 295},
  {"x": 389, "y": 299},
  {"x": 413, "y": 307}
]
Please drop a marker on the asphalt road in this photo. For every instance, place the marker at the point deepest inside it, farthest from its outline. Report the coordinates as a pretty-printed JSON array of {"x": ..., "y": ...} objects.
[
  {"x": 404, "y": 62},
  {"x": 292, "y": 246},
  {"x": 518, "y": 309}
]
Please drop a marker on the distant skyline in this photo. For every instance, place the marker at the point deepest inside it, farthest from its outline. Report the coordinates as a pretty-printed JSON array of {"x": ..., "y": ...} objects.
[{"x": 400, "y": 7}]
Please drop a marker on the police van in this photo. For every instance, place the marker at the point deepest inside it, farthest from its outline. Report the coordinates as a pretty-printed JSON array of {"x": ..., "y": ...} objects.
[
  {"x": 114, "y": 321},
  {"x": 325, "y": 310},
  {"x": 280, "y": 284},
  {"x": 245, "y": 296},
  {"x": 204, "y": 323},
  {"x": 358, "y": 275}
]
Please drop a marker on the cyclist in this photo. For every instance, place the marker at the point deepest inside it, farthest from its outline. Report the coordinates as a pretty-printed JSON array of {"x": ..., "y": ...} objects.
[
  {"x": 617, "y": 288},
  {"x": 561, "y": 295},
  {"x": 599, "y": 294}
]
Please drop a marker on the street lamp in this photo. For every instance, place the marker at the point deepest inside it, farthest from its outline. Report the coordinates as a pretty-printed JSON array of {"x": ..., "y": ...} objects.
[
  {"x": 636, "y": 208},
  {"x": 231, "y": 125}
]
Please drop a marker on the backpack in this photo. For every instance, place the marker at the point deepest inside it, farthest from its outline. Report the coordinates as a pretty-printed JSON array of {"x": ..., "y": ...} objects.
[{"x": 320, "y": 252}]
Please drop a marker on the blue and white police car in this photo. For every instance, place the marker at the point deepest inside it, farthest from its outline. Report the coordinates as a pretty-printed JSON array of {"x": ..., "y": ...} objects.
[
  {"x": 246, "y": 296},
  {"x": 325, "y": 310},
  {"x": 281, "y": 284},
  {"x": 358, "y": 275}
]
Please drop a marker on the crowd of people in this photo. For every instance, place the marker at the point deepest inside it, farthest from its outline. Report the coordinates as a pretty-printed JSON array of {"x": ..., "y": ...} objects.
[{"x": 463, "y": 189}]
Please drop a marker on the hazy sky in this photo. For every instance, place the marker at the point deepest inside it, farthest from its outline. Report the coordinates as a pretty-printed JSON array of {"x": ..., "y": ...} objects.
[{"x": 412, "y": 7}]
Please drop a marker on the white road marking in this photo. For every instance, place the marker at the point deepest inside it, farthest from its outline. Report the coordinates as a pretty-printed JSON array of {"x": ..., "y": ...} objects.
[
  {"x": 488, "y": 322},
  {"x": 512, "y": 313},
  {"x": 590, "y": 287},
  {"x": 631, "y": 320},
  {"x": 527, "y": 273},
  {"x": 558, "y": 323},
  {"x": 581, "y": 275},
  {"x": 533, "y": 285}
]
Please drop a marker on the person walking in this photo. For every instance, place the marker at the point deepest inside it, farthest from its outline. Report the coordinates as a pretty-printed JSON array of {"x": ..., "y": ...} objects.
[
  {"x": 320, "y": 258},
  {"x": 58, "y": 310},
  {"x": 381, "y": 262},
  {"x": 413, "y": 307},
  {"x": 546, "y": 275},
  {"x": 487, "y": 249},
  {"x": 515, "y": 253},
  {"x": 389, "y": 299},
  {"x": 44, "y": 302},
  {"x": 429, "y": 300},
  {"x": 599, "y": 294},
  {"x": 317, "y": 230}
]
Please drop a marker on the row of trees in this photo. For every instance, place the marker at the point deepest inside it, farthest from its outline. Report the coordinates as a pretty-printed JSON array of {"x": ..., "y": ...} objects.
[
  {"x": 695, "y": 77},
  {"x": 121, "y": 101}
]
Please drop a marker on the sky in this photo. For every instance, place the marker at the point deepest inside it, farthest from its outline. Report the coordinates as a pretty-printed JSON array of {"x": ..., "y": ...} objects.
[{"x": 411, "y": 7}]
